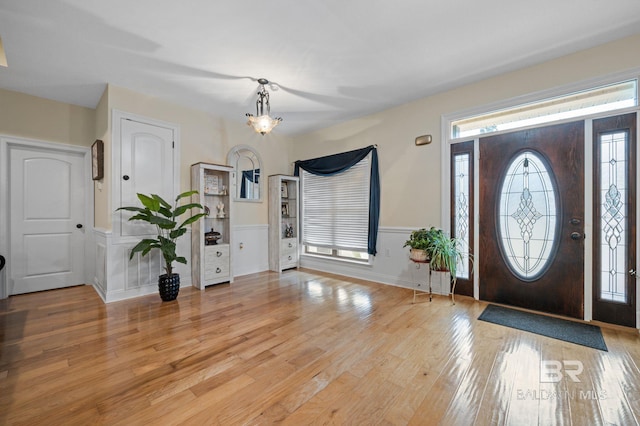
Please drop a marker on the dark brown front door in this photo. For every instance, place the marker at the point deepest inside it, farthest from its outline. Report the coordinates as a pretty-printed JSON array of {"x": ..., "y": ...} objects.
[{"x": 531, "y": 248}]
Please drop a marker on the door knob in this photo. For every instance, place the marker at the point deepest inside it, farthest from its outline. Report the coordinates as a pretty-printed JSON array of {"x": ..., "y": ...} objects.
[
  {"x": 576, "y": 236},
  {"x": 575, "y": 221}
]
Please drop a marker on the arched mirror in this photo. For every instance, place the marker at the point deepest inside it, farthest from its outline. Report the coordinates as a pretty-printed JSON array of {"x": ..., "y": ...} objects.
[{"x": 247, "y": 181}]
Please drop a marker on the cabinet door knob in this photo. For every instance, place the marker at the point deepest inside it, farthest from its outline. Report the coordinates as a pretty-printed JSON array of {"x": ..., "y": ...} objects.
[
  {"x": 289, "y": 257},
  {"x": 218, "y": 270},
  {"x": 218, "y": 253},
  {"x": 125, "y": 177},
  {"x": 290, "y": 245},
  {"x": 79, "y": 226}
]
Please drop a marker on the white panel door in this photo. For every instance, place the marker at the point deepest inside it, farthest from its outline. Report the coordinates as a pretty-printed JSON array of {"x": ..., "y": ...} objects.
[
  {"x": 146, "y": 164},
  {"x": 46, "y": 196}
]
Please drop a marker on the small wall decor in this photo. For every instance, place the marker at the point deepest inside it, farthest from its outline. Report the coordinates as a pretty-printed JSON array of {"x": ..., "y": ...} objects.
[
  {"x": 97, "y": 159},
  {"x": 423, "y": 140}
]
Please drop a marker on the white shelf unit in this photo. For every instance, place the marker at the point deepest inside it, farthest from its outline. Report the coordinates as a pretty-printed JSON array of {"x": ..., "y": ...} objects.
[
  {"x": 284, "y": 222},
  {"x": 211, "y": 264}
]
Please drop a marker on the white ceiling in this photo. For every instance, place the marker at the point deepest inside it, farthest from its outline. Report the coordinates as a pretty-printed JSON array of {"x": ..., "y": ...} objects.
[{"x": 332, "y": 60}]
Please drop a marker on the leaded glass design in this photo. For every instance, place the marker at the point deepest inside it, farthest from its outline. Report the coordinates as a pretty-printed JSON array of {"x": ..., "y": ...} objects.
[
  {"x": 527, "y": 216},
  {"x": 461, "y": 208},
  {"x": 613, "y": 232}
]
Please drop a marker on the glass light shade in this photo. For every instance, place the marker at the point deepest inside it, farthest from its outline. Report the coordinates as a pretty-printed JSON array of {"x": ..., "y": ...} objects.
[{"x": 263, "y": 124}]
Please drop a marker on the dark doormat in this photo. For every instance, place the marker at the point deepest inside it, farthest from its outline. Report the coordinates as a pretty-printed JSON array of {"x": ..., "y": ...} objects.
[{"x": 556, "y": 328}]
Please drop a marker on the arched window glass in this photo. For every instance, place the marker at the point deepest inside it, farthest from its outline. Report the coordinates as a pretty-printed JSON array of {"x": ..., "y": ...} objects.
[{"x": 247, "y": 179}]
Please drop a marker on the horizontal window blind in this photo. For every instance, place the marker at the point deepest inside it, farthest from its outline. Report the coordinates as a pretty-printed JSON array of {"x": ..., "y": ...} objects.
[{"x": 335, "y": 209}]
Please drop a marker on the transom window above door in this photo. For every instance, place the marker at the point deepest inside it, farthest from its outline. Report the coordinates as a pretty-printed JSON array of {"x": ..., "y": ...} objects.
[{"x": 597, "y": 100}]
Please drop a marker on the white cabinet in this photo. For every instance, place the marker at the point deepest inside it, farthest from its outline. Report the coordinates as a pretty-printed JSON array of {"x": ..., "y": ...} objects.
[
  {"x": 211, "y": 235},
  {"x": 284, "y": 224}
]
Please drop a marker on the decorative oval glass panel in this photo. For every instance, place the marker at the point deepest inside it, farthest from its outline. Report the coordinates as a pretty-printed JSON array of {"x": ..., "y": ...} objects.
[{"x": 528, "y": 216}]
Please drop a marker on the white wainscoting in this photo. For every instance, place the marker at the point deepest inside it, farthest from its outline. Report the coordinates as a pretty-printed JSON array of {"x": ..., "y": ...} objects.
[
  {"x": 254, "y": 255},
  {"x": 390, "y": 266},
  {"x": 118, "y": 278}
]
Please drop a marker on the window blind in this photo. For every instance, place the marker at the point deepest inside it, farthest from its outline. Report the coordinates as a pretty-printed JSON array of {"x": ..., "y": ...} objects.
[{"x": 336, "y": 208}]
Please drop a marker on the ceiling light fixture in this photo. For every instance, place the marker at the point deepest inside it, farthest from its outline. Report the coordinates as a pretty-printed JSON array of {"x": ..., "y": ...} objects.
[{"x": 262, "y": 122}]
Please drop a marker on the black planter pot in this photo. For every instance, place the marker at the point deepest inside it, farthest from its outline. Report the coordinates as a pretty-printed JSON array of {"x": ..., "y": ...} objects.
[{"x": 169, "y": 287}]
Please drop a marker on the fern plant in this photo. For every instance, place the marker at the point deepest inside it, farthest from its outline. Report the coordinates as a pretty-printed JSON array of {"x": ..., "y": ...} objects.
[{"x": 445, "y": 254}]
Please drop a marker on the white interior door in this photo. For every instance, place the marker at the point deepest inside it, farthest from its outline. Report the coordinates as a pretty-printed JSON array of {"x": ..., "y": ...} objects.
[
  {"x": 47, "y": 210},
  {"x": 146, "y": 164}
]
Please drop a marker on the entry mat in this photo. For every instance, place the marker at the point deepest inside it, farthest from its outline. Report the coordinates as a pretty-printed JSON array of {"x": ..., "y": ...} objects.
[{"x": 556, "y": 328}]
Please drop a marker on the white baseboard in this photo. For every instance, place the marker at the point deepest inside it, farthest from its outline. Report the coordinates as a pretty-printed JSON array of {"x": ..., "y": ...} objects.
[{"x": 390, "y": 266}]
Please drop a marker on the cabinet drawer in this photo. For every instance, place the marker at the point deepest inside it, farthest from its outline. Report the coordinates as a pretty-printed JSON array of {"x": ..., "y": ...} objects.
[
  {"x": 215, "y": 253},
  {"x": 288, "y": 259},
  {"x": 288, "y": 245},
  {"x": 216, "y": 261},
  {"x": 216, "y": 271}
]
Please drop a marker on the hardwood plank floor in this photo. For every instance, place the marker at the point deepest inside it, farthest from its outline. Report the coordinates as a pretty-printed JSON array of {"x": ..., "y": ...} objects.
[{"x": 297, "y": 348}]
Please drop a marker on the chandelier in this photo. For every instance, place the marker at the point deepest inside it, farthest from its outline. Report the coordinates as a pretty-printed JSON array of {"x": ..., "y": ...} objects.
[{"x": 263, "y": 123}]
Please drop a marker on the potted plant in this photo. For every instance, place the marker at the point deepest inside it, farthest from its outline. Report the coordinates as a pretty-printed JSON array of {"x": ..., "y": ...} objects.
[
  {"x": 160, "y": 213},
  {"x": 445, "y": 253},
  {"x": 420, "y": 242}
]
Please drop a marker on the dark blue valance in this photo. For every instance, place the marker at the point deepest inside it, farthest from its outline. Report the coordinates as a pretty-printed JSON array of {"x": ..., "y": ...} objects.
[
  {"x": 251, "y": 176},
  {"x": 336, "y": 163}
]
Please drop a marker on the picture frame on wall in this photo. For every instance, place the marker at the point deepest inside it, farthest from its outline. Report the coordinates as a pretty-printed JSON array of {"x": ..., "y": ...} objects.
[{"x": 97, "y": 160}]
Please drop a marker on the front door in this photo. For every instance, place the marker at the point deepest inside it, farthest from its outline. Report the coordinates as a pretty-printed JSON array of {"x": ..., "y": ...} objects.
[
  {"x": 46, "y": 221},
  {"x": 531, "y": 251}
]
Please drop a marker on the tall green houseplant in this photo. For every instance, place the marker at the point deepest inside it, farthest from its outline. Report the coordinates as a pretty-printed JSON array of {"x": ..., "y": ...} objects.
[
  {"x": 158, "y": 212},
  {"x": 445, "y": 254}
]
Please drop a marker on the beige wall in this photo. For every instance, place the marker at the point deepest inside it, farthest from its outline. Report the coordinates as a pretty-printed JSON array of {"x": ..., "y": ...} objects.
[
  {"x": 42, "y": 119},
  {"x": 411, "y": 175},
  {"x": 205, "y": 138}
]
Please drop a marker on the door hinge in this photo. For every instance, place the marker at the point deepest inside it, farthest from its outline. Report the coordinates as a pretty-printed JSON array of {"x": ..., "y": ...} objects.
[{"x": 173, "y": 144}]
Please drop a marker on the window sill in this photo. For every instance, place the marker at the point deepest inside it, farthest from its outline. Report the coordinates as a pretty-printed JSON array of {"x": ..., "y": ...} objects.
[{"x": 367, "y": 263}]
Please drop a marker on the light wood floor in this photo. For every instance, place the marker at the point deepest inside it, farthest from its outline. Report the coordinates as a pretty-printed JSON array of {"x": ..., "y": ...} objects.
[{"x": 298, "y": 348}]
